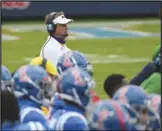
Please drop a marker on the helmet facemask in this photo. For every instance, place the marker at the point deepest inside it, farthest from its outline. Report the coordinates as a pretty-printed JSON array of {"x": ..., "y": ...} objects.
[
  {"x": 8, "y": 85},
  {"x": 46, "y": 91}
]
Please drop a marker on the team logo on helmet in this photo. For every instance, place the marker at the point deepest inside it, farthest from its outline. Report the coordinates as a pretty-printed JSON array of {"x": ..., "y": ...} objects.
[
  {"x": 154, "y": 102},
  {"x": 122, "y": 95},
  {"x": 77, "y": 79},
  {"x": 67, "y": 62},
  {"x": 23, "y": 76},
  {"x": 102, "y": 116}
]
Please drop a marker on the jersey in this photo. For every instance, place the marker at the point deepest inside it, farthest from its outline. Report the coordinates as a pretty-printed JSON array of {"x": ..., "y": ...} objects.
[
  {"x": 30, "y": 126},
  {"x": 31, "y": 111},
  {"x": 52, "y": 50},
  {"x": 68, "y": 120},
  {"x": 58, "y": 103},
  {"x": 152, "y": 85},
  {"x": 66, "y": 116}
]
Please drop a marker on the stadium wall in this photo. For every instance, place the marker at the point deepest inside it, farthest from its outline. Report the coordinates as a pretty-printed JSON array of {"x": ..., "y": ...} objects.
[{"x": 33, "y": 10}]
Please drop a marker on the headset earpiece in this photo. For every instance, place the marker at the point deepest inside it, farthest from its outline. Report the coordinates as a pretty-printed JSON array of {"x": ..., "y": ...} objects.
[{"x": 51, "y": 27}]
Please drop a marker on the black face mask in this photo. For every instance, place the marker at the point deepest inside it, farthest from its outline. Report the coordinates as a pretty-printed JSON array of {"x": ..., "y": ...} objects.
[{"x": 8, "y": 85}]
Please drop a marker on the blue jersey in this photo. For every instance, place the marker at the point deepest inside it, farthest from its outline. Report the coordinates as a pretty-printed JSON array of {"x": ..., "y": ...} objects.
[
  {"x": 26, "y": 102},
  {"x": 67, "y": 117},
  {"x": 31, "y": 111},
  {"x": 58, "y": 104},
  {"x": 68, "y": 120},
  {"x": 30, "y": 126}
]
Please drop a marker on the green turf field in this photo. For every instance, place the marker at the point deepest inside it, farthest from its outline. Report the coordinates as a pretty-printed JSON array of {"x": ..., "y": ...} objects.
[{"x": 108, "y": 55}]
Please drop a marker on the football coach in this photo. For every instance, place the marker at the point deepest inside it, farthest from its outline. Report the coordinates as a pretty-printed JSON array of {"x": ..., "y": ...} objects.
[{"x": 57, "y": 29}]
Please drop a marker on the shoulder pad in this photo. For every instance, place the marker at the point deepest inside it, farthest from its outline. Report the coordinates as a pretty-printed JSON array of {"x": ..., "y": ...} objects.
[
  {"x": 32, "y": 114},
  {"x": 71, "y": 121}
]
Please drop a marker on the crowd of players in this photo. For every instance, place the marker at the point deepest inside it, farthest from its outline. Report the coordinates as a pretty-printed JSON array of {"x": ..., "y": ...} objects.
[{"x": 38, "y": 96}]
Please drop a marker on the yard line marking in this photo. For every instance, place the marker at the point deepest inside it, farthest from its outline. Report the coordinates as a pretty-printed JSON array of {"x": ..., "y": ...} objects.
[{"x": 107, "y": 59}]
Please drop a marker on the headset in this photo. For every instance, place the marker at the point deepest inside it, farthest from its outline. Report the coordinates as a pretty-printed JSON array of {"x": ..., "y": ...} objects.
[{"x": 51, "y": 27}]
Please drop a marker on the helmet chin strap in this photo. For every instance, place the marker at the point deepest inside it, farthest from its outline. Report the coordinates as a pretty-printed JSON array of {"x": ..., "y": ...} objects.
[
  {"x": 67, "y": 97},
  {"x": 18, "y": 94},
  {"x": 46, "y": 102},
  {"x": 76, "y": 96},
  {"x": 70, "y": 98}
]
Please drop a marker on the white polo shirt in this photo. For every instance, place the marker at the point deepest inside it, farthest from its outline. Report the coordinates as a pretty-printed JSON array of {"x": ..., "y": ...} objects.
[{"x": 52, "y": 50}]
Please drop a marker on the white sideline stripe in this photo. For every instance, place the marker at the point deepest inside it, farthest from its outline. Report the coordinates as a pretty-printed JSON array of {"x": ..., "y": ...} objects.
[
  {"x": 90, "y": 24},
  {"x": 9, "y": 37},
  {"x": 118, "y": 25},
  {"x": 119, "y": 61},
  {"x": 105, "y": 60},
  {"x": 99, "y": 59},
  {"x": 139, "y": 60},
  {"x": 83, "y": 34},
  {"x": 125, "y": 31}
]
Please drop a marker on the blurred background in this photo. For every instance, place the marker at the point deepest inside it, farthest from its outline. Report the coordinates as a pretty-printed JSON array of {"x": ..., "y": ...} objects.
[{"x": 116, "y": 37}]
